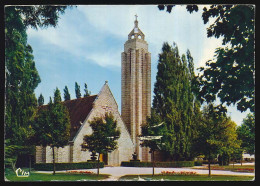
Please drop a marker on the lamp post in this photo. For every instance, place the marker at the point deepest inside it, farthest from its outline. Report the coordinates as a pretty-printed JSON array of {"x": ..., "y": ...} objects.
[{"x": 152, "y": 144}]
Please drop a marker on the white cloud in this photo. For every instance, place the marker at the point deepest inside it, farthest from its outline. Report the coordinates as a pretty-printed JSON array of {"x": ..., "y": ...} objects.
[
  {"x": 106, "y": 59},
  {"x": 80, "y": 37}
]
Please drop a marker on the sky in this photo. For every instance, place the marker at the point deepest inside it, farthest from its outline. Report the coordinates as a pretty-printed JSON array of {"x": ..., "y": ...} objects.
[{"x": 86, "y": 46}]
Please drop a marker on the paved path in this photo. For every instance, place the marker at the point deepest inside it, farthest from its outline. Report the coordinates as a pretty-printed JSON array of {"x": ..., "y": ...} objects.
[{"x": 117, "y": 172}]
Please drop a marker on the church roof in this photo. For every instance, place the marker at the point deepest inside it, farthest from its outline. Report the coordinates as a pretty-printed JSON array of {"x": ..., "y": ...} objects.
[{"x": 78, "y": 111}]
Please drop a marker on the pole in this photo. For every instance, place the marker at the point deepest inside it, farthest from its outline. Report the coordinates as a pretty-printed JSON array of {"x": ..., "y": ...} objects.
[
  {"x": 153, "y": 161},
  {"x": 30, "y": 163},
  {"x": 209, "y": 165},
  {"x": 98, "y": 163}
]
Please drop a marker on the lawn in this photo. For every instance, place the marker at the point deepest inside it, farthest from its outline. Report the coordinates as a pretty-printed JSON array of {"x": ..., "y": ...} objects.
[
  {"x": 186, "y": 178},
  {"x": 236, "y": 168},
  {"x": 11, "y": 176}
]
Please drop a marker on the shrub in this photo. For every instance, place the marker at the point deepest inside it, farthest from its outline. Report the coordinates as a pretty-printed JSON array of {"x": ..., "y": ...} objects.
[
  {"x": 198, "y": 163},
  {"x": 79, "y": 172},
  {"x": 158, "y": 164},
  {"x": 67, "y": 166},
  {"x": 181, "y": 173}
]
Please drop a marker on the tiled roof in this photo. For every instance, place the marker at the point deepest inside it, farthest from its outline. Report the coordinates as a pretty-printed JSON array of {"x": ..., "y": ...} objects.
[{"x": 78, "y": 111}]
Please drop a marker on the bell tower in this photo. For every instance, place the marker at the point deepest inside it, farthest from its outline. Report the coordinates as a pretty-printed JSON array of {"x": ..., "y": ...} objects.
[{"x": 136, "y": 86}]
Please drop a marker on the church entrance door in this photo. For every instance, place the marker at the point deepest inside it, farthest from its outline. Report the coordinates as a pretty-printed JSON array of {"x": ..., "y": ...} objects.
[{"x": 104, "y": 158}]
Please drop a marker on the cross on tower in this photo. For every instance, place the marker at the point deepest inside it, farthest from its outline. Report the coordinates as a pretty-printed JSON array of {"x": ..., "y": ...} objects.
[{"x": 136, "y": 17}]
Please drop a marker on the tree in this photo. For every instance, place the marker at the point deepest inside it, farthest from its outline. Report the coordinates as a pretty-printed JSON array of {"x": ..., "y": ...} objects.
[
  {"x": 231, "y": 145},
  {"x": 39, "y": 16},
  {"x": 104, "y": 136},
  {"x": 40, "y": 100},
  {"x": 246, "y": 133},
  {"x": 152, "y": 132},
  {"x": 87, "y": 93},
  {"x": 216, "y": 134},
  {"x": 66, "y": 94},
  {"x": 231, "y": 75},
  {"x": 20, "y": 72},
  {"x": 174, "y": 101},
  {"x": 77, "y": 90},
  {"x": 52, "y": 125}
]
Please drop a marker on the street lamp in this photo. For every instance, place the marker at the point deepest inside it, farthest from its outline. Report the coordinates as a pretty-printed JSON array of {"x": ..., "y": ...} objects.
[{"x": 153, "y": 146}]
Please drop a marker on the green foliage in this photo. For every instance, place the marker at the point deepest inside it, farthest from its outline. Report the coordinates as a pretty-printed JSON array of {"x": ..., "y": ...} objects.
[
  {"x": 216, "y": 134},
  {"x": 66, "y": 94},
  {"x": 157, "y": 164},
  {"x": 175, "y": 101},
  {"x": 21, "y": 74},
  {"x": 67, "y": 166},
  {"x": 40, "y": 16},
  {"x": 87, "y": 93},
  {"x": 153, "y": 127},
  {"x": 104, "y": 136},
  {"x": 77, "y": 90},
  {"x": 52, "y": 124},
  {"x": 246, "y": 133},
  {"x": 40, "y": 100},
  {"x": 231, "y": 75},
  {"x": 21, "y": 80}
]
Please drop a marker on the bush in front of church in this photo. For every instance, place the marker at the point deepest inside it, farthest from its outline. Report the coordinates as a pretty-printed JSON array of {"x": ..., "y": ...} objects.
[
  {"x": 157, "y": 164},
  {"x": 67, "y": 166}
]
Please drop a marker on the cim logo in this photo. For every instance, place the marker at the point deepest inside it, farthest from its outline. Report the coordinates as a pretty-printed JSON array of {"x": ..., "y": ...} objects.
[{"x": 20, "y": 173}]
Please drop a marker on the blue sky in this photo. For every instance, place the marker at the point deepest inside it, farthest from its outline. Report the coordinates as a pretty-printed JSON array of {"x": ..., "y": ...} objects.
[{"x": 86, "y": 46}]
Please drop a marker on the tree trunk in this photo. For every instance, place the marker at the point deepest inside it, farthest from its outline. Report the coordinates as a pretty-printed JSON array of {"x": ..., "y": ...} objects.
[
  {"x": 241, "y": 159},
  {"x": 153, "y": 161},
  {"x": 98, "y": 163},
  {"x": 209, "y": 164},
  {"x": 30, "y": 165},
  {"x": 53, "y": 160}
]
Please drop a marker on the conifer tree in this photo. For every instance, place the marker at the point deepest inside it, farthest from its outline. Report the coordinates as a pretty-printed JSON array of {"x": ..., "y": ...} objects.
[
  {"x": 87, "y": 93},
  {"x": 21, "y": 74},
  {"x": 174, "y": 101},
  {"x": 66, "y": 94},
  {"x": 40, "y": 100},
  {"x": 77, "y": 90}
]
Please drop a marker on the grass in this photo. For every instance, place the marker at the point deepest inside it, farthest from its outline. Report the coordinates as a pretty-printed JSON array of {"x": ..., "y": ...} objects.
[
  {"x": 236, "y": 168},
  {"x": 187, "y": 178},
  {"x": 11, "y": 176}
]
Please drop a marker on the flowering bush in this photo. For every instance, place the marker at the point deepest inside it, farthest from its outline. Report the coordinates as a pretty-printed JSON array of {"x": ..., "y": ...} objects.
[
  {"x": 244, "y": 170},
  {"x": 216, "y": 168},
  {"x": 182, "y": 173},
  {"x": 79, "y": 172}
]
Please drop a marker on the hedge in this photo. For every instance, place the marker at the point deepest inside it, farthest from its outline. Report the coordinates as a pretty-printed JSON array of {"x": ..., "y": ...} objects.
[
  {"x": 158, "y": 164},
  {"x": 198, "y": 163},
  {"x": 67, "y": 166}
]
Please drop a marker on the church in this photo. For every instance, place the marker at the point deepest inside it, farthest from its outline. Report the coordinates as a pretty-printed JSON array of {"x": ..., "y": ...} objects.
[{"x": 135, "y": 107}]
